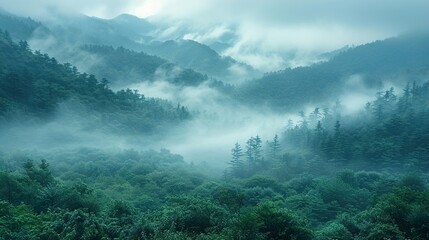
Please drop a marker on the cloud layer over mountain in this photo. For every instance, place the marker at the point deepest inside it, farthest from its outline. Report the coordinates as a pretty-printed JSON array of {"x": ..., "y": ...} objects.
[{"x": 269, "y": 35}]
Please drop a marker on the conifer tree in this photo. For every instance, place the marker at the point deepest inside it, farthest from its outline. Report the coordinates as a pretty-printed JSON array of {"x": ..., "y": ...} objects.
[{"x": 236, "y": 162}]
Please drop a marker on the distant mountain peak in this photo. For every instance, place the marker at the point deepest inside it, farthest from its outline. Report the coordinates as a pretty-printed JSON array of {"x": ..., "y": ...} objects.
[{"x": 125, "y": 17}]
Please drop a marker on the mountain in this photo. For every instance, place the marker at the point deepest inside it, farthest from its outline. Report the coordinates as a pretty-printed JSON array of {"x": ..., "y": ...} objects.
[
  {"x": 137, "y": 29},
  {"x": 191, "y": 54},
  {"x": 20, "y": 28},
  {"x": 118, "y": 64},
  {"x": 67, "y": 35},
  {"x": 392, "y": 60},
  {"x": 123, "y": 67},
  {"x": 34, "y": 87}
]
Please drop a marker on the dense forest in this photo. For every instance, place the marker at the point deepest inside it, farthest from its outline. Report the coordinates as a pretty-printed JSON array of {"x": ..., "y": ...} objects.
[
  {"x": 395, "y": 60},
  {"x": 328, "y": 174},
  {"x": 18, "y": 27},
  {"x": 33, "y": 85},
  {"x": 318, "y": 187}
]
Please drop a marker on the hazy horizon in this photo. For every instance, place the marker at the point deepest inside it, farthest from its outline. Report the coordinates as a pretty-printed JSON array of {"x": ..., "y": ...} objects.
[{"x": 269, "y": 35}]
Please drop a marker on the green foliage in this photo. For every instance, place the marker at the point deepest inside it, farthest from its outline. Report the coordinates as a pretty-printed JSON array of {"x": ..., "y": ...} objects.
[
  {"x": 11, "y": 189},
  {"x": 397, "y": 138},
  {"x": 293, "y": 88},
  {"x": 413, "y": 182},
  {"x": 33, "y": 86},
  {"x": 75, "y": 224},
  {"x": 279, "y": 223},
  {"x": 150, "y": 195},
  {"x": 318, "y": 189},
  {"x": 264, "y": 182},
  {"x": 334, "y": 231},
  {"x": 193, "y": 216}
]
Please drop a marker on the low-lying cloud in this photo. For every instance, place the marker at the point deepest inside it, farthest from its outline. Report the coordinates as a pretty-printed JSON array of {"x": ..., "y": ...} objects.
[
  {"x": 217, "y": 124},
  {"x": 266, "y": 31}
]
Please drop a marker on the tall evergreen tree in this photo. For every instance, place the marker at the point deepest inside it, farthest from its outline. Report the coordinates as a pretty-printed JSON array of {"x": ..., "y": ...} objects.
[
  {"x": 254, "y": 151},
  {"x": 257, "y": 149},
  {"x": 236, "y": 162},
  {"x": 274, "y": 147}
]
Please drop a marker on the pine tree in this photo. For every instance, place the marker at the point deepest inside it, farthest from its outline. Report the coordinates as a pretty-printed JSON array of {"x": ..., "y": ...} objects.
[
  {"x": 318, "y": 138},
  {"x": 236, "y": 162},
  {"x": 249, "y": 151},
  {"x": 338, "y": 145},
  {"x": 254, "y": 151},
  {"x": 315, "y": 116},
  {"x": 257, "y": 149},
  {"x": 274, "y": 147}
]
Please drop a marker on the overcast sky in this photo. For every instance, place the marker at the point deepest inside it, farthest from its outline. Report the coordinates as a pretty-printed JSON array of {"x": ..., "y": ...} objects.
[{"x": 265, "y": 27}]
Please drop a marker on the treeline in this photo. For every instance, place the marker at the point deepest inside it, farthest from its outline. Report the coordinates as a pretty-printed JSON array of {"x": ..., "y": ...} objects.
[
  {"x": 91, "y": 194},
  {"x": 256, "y": 157},
  {"x": 19, "y": 28},
  {"x": 33, "y": 85},
  {"x": 402, "y": 57},
  {"x": 274, "y": 189},
  {"x": 132, "y": 195},
  {"x": 390, "y": 131},
  {"x": 304, "y": 168}
]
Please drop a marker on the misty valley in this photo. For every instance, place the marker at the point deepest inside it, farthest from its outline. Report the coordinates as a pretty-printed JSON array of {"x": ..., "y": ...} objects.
[{"x": 155, "y": 128}]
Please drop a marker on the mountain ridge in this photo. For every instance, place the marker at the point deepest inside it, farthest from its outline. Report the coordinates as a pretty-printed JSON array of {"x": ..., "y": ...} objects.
[{"x": 391, "y": 60}]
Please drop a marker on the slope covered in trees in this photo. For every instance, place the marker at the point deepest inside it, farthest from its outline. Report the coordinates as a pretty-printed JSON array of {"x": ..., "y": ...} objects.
[
  {"x": 129, "y": 32},
  {"x": 391, "y": 131},
  {"x": 291, "y": 187},
  {"x": 353, "y": 176},
  {"x": 391, "y": 60},
  {"x": 34, "y": 85},
  {"x": 191, "y": 54},
  {"x": 123, "y": 66},
  {"x": 19, "y": 28},
  {"x": 326, "y": 176}
]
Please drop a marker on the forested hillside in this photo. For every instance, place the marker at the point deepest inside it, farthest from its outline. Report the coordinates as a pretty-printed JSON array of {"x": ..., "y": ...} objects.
[
  {"x": 338, "y": 150},
  {"x": 19, "y": 28},
  {"x": 113, "y": 48},
  {"x": 125, "y": 66},
  {"x": 388, "y": 134},
  {"x": 391, "y": 131},
  {"x": 202, "y": 59},
  {"x": 394, "y": 60},
  {"x": 33, "y": 85},
  {"x": 313, "y": 182},
  {"x": 126, "y": 32}
]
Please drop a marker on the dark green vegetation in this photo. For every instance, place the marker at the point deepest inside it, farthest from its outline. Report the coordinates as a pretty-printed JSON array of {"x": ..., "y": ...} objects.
[
  {"x": 328, "y": 176},
  {"x": 120, "y": 65},
  {"x": 405, "y": 58},
  {"x": 389, "y": 138},
  {"x": 392, "y": 131},
  {"x": 33, "y": 86},
  {"x": 269, "y": 192}
]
